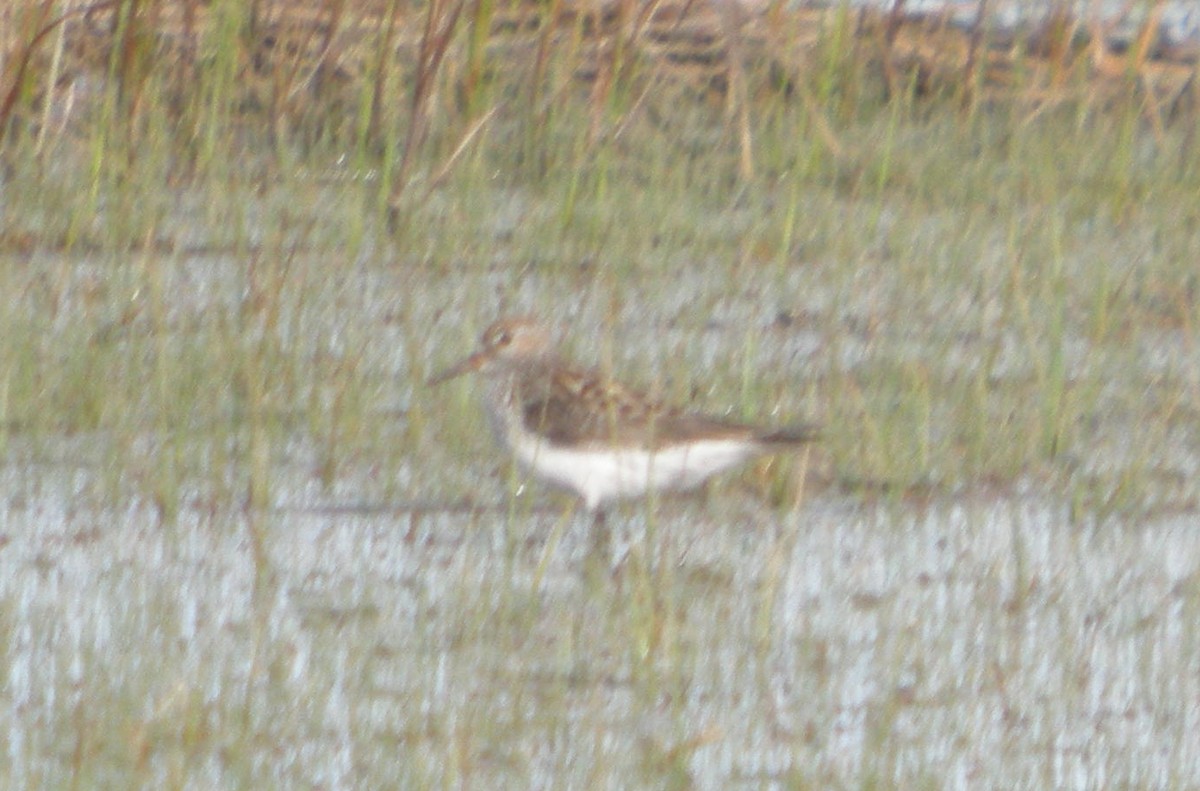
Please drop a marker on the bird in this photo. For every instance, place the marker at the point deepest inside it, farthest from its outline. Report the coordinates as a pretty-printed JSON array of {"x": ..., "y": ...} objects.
[{"x": 588, "y": 434}]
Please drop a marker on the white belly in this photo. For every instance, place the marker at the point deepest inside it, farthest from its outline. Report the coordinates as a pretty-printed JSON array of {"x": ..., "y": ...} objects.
[{"x": 598, "y": 475}]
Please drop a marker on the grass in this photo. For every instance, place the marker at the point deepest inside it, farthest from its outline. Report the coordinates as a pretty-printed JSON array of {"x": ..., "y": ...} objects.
[{"x": 226, "y": 557}]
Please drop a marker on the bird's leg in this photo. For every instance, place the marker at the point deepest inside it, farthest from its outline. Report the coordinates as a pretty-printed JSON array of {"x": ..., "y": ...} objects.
[
  {"x": 601, "y": 535},
  {"x": 597, "y": 565}
]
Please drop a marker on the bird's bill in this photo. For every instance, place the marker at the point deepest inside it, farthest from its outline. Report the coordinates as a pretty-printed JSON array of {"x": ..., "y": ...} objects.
[{"x": 472, "y": 363}]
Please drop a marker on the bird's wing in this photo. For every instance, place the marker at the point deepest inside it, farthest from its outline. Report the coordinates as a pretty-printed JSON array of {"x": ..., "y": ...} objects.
[{"x": 577, "y": 407}]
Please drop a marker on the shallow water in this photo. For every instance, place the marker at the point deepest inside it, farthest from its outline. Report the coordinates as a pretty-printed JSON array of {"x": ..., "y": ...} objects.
[
  {"x": 980, "y": 640},
  {"x": 1180, "y": 22}
]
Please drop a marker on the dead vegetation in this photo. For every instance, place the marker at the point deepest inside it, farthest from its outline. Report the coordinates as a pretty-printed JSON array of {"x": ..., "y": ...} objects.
[{"x": 309, "y": 60}]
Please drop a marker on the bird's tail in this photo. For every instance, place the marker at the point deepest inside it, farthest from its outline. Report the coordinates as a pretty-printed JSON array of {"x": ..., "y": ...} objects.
[{"x": 792, "y": 435}]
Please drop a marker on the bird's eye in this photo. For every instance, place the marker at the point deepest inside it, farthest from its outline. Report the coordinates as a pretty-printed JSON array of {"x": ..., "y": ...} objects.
[{"x": 504, "y": 339}]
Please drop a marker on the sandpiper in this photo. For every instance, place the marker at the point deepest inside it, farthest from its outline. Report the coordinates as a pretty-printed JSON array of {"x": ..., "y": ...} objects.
[{"x": 584, "y": 432}]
